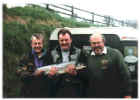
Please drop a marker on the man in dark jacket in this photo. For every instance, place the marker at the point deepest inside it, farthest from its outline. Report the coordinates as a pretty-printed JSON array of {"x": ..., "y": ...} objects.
[
  {"x": 35, "y": 82},
  {"x": 108, "y": 74},
  {"x": 70, "y": 84}
]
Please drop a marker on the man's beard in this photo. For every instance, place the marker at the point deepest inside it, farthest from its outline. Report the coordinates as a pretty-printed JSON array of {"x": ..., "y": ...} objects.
[{"x": 98, "y": 50}]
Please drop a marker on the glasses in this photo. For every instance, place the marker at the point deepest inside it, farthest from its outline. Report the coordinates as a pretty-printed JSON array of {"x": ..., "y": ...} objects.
[{"x": 96, "y": 42}]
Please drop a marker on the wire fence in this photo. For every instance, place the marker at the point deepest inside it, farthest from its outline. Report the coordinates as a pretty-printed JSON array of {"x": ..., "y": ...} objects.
[{"x": 87, "y": 16}]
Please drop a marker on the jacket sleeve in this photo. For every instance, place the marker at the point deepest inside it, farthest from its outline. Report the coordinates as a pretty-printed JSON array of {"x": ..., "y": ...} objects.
[
  {"x": 82, "y": 60},
  {"x": 124, "y": 75},
  {"x": 24, "y": 69}
]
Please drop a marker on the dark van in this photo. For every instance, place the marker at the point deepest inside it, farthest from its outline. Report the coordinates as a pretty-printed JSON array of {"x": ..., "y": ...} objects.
[{"x": 122, "y": 38}]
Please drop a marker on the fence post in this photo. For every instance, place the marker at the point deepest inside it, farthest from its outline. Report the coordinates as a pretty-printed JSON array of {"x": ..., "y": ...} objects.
[
  {"x": 47, "y": 6},
  {"x": 122, "y": 23},
  {"x": 112, "y": 21},
  {"x": 72, "y": 11},
  {"x": 93, "y": 18},
  {"x": 107, "y": 20}
]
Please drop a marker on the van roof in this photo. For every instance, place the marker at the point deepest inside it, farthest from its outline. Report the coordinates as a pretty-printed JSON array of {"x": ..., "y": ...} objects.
[{"x": 125, "y": 33}]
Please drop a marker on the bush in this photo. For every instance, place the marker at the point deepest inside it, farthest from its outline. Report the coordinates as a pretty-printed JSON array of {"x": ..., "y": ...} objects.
[{"x": 16, "y": 43}]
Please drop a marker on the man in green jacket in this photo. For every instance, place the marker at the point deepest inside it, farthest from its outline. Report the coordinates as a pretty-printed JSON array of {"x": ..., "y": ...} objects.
[{"x": 108, "y": 74}]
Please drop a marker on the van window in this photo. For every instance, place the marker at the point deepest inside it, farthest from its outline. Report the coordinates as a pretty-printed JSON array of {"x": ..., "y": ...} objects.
[
  {"x": 131, "y": 50},
  {"x": 130, "y": 54}
]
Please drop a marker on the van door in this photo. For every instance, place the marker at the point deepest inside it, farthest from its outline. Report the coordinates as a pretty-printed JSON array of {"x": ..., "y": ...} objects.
[{"x": 130, "y": 52}]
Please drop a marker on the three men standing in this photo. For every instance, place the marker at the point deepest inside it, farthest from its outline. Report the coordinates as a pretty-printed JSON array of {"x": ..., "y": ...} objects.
[{"x": 106, "y": 75}]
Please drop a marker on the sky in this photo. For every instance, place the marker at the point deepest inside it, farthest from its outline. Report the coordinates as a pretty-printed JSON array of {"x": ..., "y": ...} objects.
[
  {"x": 124, "y": 9},
  {"x": 120, "y": 9}
]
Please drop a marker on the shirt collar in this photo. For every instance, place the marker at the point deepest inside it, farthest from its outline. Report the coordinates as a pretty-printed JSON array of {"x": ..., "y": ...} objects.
[
  {"x": 104, "y": 51},
  {"x": 43, "y": 53}
]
